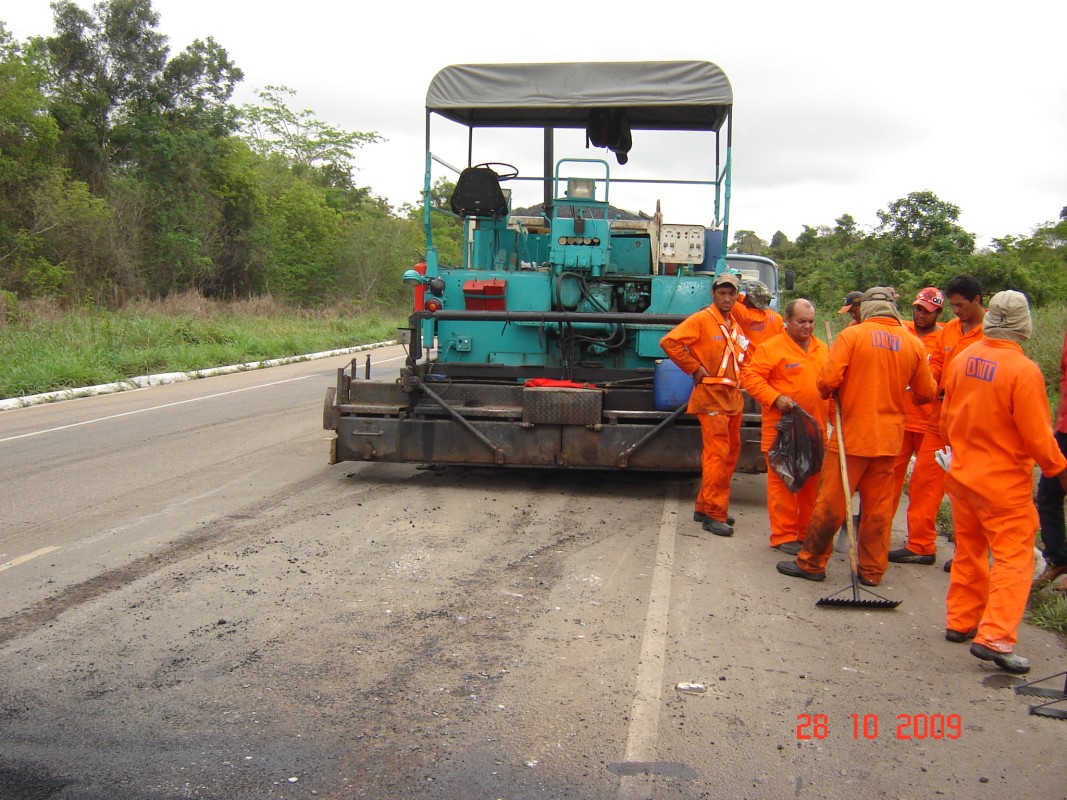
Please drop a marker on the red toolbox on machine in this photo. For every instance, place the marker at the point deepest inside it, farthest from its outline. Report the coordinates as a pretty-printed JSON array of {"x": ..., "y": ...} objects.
[{"x": 485, "y": 295}]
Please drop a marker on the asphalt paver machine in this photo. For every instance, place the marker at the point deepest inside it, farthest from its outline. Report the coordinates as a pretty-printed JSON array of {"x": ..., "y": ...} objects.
[{"x": 540, "y": 348}]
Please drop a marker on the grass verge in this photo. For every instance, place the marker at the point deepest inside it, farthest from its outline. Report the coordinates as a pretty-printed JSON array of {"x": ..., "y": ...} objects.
[
  {"x": 44, "y": 349},
  {"x": 1048, "y": 610}
]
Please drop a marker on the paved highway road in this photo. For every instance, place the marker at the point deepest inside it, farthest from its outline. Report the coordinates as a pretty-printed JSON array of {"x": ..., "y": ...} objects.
[{"x": 193, "y": 604}]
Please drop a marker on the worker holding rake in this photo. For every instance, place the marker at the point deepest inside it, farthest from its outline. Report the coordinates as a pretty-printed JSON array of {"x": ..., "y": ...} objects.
[
  {"x": 995, "y": 418},
  {"x": 870, "y": 368}
]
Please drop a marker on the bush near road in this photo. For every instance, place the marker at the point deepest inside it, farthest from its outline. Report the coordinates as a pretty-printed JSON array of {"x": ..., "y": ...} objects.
[{"x": 43, "y": 349}]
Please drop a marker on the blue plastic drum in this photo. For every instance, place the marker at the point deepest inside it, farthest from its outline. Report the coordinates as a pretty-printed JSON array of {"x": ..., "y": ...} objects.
[{"x": 670, "y": 386}]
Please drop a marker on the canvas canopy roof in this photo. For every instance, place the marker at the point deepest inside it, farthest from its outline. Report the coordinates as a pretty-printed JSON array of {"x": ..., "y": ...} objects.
[{"x": 657, "y": 95}]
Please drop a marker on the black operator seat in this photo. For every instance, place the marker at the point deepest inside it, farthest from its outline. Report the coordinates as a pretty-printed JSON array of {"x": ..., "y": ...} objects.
[{"x": 478, "y": 194}]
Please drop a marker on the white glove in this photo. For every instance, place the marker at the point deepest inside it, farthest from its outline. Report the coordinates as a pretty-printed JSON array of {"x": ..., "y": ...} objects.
[{"x": 944, "y": 457}]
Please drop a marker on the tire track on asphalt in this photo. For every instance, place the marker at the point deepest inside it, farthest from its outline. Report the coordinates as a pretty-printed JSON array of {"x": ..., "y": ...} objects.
[{"x": 232, "y": 528}]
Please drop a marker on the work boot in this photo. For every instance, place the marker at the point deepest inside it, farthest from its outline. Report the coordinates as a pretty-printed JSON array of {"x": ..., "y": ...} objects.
[
  {"x": 904, "y": 556},
  {"x": 959, "y": 637},
  {"x": 1009, "y": 662},
  {"x": 698, "y": 517},
  {"x": 789, "y": 548},
  {"x": 793, "y": 570},
  {"x": 868, "y": 581},
  {"x": 717, "y": 527},
  {"x": 948, "y": 565}
]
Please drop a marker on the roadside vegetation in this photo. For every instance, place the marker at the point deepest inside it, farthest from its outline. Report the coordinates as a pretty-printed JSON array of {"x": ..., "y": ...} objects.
[
  {"x": 1048, "y": 609},
  {"x": 43, "y": 347}
]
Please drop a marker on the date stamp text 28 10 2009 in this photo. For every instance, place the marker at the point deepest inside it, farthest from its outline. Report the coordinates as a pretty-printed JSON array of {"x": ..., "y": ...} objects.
[{"x": 907, "y": 727}]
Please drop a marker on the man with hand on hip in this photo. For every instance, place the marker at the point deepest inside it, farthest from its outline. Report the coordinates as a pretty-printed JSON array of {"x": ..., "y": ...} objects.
[{"x": 710, "y": 347}]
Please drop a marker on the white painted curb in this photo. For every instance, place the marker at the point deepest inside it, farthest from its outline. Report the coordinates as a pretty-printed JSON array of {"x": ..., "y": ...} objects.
[{"x": 143, "y": 381}]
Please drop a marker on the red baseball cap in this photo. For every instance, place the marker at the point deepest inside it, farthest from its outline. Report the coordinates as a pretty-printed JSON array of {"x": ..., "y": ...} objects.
[{"x": 930, "y": 298}]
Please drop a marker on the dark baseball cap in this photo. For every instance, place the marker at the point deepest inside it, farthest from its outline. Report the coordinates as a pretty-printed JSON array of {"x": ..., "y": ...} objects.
[{"x": 852, "y": 300}]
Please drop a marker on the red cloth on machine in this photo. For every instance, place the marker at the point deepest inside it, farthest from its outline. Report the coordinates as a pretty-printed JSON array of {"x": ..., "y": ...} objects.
[{"x": 538, "y": 383}]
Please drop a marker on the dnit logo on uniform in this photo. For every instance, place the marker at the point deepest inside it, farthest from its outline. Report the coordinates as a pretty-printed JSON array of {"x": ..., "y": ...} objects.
[
  {"x": 885, "y": 341},
  {"x": 981, "y": 368}
]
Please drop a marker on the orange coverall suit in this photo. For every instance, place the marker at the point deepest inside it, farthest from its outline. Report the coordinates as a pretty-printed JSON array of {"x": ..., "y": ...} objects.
[
  {"x": 758, "y": 324},
  {"x": 781, "y": 367},
  {"x": 916, "y": 420},
  {"x": 871, "y": 366},
  {"x": 708, "y": 340},
  {"x": 995, "y": 416},
  {"x": 927, "y": 486}
]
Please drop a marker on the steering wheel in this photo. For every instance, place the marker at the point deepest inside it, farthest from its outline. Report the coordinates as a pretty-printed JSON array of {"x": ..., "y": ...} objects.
[{"x": 510, "y": 171}]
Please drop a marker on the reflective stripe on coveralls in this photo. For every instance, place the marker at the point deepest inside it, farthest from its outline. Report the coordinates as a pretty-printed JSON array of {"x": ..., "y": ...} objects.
[
  {"x": 699, "y": 341},
  {"x": 780, "y": 366},
  {"x": 927, "y": 487},
  {"x": 871, "y": 366},
  {"x": 731, "y": 361},
  {"x": 996, "y": 418}
]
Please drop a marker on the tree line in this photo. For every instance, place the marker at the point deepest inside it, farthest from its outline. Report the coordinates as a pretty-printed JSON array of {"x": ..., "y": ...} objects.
[
  {"x": 918, "y": 242},
  {"x": 128, "y": 172}
]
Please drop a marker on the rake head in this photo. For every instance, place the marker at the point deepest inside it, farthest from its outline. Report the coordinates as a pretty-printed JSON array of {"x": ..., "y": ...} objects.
[
  {"x": 1033, "y": 690},
  {"x": 1053, "y": 697},
  {"x": 1040, "y": 691},
  {"x": 843, "y": 602},
  {"x": 1046, "y": 710},
  {"x": 833, "y": 601}
]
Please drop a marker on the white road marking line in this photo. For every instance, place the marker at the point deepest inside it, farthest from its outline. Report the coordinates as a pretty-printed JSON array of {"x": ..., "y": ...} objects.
[
  {"x": 154, "y": 408},
  {"x": 143, "y": 520},
  {"x": 28, "y": 557},
  {"x": 645, "y": 711}
]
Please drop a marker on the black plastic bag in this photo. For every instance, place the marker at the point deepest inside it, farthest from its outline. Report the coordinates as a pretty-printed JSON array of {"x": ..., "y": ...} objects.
[{"x": 798, "y": 448}]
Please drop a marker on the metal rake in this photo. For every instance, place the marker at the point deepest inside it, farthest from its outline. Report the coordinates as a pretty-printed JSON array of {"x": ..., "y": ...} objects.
[{"x": 1053, "y": 696}]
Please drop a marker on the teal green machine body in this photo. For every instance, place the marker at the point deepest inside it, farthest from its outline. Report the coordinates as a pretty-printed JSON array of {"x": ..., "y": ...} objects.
[{"x": 574, "y": 291}]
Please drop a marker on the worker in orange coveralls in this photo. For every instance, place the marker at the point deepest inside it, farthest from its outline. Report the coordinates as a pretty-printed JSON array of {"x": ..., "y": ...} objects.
[
  {"x": 924, "y": 313},
  {"x": 782, "y": 375},
  {"x": 995, "y": 418},
  {"x": 710, "y": 347},
  {"x": 927, "y": 487},
  {"x": 758, "y": 321},
  {"x": 871, "y": 366}
]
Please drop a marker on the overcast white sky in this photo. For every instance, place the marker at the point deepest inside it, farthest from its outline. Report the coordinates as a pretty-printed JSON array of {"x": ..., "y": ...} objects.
[{"x": 840, "y": 107}]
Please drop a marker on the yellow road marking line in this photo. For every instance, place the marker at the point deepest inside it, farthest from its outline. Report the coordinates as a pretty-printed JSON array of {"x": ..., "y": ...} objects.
[{"x": 28, "y": 557}]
